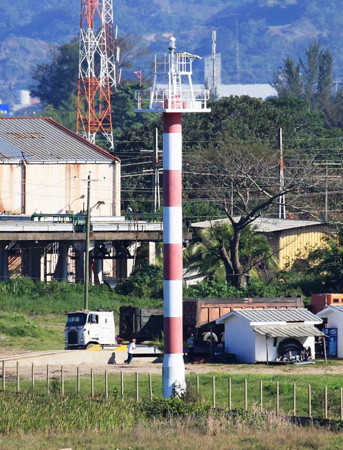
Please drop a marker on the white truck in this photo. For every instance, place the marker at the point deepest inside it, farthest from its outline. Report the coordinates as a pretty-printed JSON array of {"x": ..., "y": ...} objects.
[{"x": 87, "y": 328}]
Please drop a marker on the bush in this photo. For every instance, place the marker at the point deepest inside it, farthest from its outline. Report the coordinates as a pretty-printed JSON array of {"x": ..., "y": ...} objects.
[{"x": 145, "y": 281}]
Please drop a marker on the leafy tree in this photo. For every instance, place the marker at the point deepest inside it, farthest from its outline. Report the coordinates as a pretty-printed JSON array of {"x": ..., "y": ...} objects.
[
  {"x": 57, "y": 80},
  {"x": 145, "y": 282},
  {"x": 288, "y": 82},
  {"x": 217, "y": 251},
  {"x": 327, "y": 264}
]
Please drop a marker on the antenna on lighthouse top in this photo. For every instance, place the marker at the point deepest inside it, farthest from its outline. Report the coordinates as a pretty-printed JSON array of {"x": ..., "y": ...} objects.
[{"x": 172, "y": 89}]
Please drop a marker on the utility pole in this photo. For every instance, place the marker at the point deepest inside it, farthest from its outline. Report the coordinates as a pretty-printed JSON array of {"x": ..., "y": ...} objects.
[
  {"x": 157, "y": 197},
  {"x": 88, "y": 229},
  {"x": 282, "y": 198}
]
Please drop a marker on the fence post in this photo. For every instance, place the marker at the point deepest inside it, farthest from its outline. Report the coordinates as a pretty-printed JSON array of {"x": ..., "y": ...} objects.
[
  {"x": 122, "y": 384},
  {"x": 261, "y": 395},
  {"x": 62, "y": 381},
  {"x": 326, "y": 402},
  {"x": 18, "y": 382},
  {"x": 47, "y": 380},
  {"x": 277, "y": 398},
  {"x": 294, "y": 399},
  {"x": 214, "y": 392},
  {"x": 341, "y": 404},
  {"x": 32, "y": 376},
  {"x": 92, "y": 383},
  {"x": 197, "y": 385},
  {"x": 150, "y": 387},
  {"x": 229, "y": 394},
  {"x": 137, "y": 388},
  {"x": 309, "y": 401},
  {"x": 3, "y": 376},
  {"x": 246, "y": 394},
  {"x": 106, "y": 385},
  {"x": 78, "y": 380}
]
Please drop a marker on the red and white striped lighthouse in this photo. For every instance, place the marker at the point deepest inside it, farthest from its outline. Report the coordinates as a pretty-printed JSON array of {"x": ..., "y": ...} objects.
[
  {"x": 173, "y": 100},
  {"x": 173, "y": 365}
]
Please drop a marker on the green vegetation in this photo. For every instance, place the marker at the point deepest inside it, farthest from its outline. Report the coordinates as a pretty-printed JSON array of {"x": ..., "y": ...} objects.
[{"x": 202, "y": 400}]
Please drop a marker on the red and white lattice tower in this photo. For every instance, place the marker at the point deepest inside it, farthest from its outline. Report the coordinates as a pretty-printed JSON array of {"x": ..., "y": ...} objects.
[
  {"x": 172, "y": 100},
  {"x": 97, "y": 70}
]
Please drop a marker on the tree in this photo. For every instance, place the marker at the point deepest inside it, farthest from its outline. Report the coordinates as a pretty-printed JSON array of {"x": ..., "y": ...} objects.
[
  {"x": 214, "y": 252},
  {"x": 327, "y": 264},
  {"x": 288, "y": 81},
  {"x": 243, "y": 181},
  {"x": 57, "y": 80}
]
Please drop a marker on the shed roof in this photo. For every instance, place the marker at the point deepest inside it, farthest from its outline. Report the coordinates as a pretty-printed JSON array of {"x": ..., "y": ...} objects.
[
  {"x": 42, "y": 139},
  {"x": 264, "y": 224},
  {"x": 289, "y": 331},
  {"x": 274, "y": 315},
  {"x": 330, "y": 309}
]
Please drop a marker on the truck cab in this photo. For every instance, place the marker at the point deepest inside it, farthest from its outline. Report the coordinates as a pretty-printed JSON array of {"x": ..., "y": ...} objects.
[{"x": 87, "y": 328}]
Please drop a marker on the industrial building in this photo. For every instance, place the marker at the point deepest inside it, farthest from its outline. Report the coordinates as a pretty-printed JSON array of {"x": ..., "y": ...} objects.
[{"x": 43, "y": 194}]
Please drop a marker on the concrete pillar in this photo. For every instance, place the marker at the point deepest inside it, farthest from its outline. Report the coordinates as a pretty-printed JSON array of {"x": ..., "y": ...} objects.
[
  {"x": 4, "y": 272},
  {"x": 32, "y": 255},
  {"x": 79, "y": 248},
  {"x": 61, "y": 270},
  {"x": 152, "y": 253}
]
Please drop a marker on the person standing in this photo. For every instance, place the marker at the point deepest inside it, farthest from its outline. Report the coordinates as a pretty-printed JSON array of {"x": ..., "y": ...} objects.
[
  {"x": 190, "y": 345},
  {"x": 130, "y": 349}
]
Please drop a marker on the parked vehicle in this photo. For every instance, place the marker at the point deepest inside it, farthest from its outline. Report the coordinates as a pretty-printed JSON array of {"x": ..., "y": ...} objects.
[
  {"x": 87, "y": 328},
  {"x": 199, "y": 316}
]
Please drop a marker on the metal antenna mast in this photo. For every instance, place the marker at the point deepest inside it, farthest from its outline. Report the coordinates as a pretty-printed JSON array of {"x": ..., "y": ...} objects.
[{"x": 97, "y": 70}]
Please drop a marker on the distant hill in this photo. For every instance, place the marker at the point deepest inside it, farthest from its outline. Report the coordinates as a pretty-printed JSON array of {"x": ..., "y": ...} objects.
[{"x": 252, "y": 36}]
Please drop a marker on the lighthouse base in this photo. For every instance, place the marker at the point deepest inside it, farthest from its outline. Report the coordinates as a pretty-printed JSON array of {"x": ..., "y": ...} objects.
[{"x": 173, "y": 370}]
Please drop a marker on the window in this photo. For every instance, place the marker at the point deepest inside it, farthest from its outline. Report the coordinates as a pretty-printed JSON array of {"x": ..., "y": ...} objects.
[
  {"x": 93, "y": 318},
  {"x": 336, "y": 300}
]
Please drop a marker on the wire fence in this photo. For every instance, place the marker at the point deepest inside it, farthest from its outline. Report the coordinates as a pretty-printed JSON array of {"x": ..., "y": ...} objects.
[{"x": 297, "y": 399}]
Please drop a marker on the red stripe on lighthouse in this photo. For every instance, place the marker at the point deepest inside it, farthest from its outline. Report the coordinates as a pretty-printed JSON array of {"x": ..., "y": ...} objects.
[
  {"x": 173, "y": 342},
  {"x": 172, "y": 123},
  {"x": 172, "y": 253},
  {"x": 172, "y": 188}
]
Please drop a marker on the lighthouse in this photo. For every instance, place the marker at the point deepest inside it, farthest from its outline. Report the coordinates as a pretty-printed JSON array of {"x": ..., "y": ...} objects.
[{"x": 172, "y": 95}]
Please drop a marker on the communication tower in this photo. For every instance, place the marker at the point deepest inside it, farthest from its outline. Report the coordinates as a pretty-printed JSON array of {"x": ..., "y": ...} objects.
[
  {"x": 98, "y": 59},
  {"x": 172, "y": 99}
]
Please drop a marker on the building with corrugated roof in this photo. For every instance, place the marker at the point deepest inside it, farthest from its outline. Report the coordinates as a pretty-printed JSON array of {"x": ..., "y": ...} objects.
[
  {"x": 256, "y": 335},
  {"x": 291, "y": 240},
  {"x": 44, "y": 167}
]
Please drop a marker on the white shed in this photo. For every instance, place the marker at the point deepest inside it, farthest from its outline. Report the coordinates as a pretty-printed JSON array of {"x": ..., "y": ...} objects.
[
  {"x": 334, "y": 318},
  {"x": 256, "y": 335}
]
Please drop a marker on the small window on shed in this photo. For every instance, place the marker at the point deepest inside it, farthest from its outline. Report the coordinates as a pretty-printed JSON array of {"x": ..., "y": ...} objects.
[{"x": 336, "y": 300}]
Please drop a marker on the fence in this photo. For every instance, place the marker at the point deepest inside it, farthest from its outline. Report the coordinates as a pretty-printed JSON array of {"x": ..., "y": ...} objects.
[{"x": 222, "y": 391}]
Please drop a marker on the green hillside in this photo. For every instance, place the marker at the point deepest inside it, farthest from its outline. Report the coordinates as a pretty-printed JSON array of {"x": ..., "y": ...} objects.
[{"x": 266, "y": 30}]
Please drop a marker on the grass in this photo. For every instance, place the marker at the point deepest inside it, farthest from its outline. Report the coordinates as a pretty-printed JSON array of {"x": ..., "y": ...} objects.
[
  {"x": 76, "y": 422},
  {"x": 333, "y": 383},
  {"x": 40, "y": 308}
]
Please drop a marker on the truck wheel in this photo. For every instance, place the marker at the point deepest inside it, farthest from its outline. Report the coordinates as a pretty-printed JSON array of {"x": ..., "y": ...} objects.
[
  {"x": 206, "y": 337},
  {"x": 89, "y": 345}
]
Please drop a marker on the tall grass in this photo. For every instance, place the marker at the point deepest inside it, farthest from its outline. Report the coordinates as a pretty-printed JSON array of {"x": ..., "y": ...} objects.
[{"x": 35, "y": 298}]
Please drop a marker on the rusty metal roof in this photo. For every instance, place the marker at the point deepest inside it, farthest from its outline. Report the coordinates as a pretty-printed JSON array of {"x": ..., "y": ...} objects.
[
  {"x": 289, "y": 331},
  {"x": 41, "y": 139}
]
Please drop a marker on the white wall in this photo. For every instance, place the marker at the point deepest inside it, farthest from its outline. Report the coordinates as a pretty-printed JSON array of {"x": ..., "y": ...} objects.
[
  {"x": 260, "y": 346},
  {"x": 335, "y": 320},
  {"x": 56, "y": 188},
  {"x": 239, "y": 339}
]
